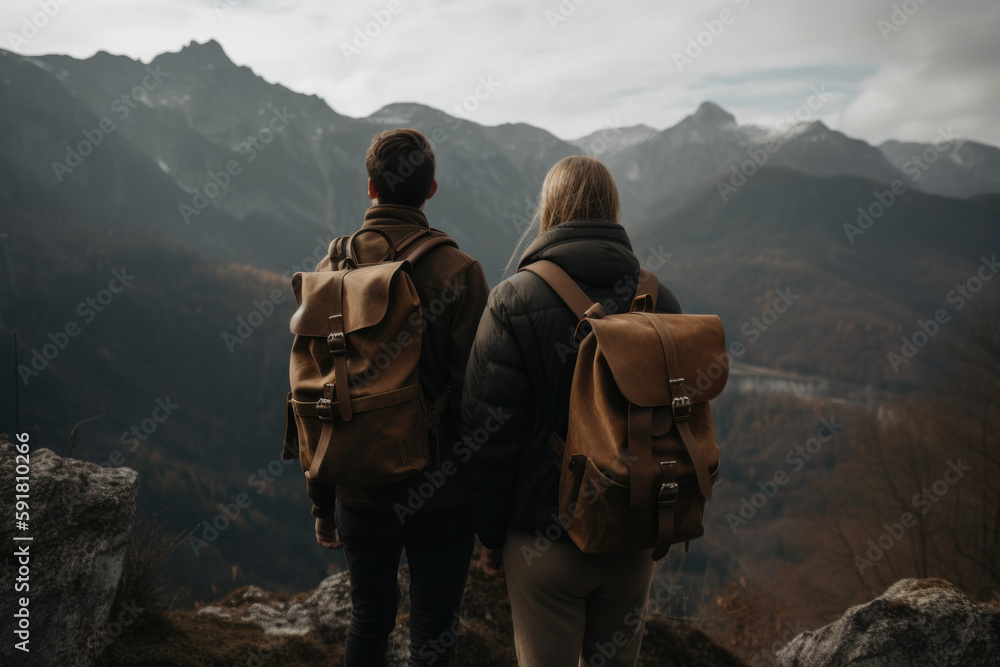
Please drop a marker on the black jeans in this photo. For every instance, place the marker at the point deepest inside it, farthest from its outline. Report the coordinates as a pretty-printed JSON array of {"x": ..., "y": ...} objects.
[{"x": 438, "y": 546}]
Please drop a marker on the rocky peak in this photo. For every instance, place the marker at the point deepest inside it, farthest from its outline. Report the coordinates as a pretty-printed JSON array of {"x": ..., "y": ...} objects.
[
  {"x": 195, "y": 54},
  {"x": 710, "y": 113}
]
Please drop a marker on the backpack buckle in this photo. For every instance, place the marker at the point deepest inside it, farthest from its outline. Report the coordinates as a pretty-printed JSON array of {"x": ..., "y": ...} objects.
[
  {"x": 324, "y": 409},
  {"x": 680, "y": 406},
  {"x": 324, "y": 406},
  {"x": 336, "y": 340},
  {"x": 669, "y": 488}
]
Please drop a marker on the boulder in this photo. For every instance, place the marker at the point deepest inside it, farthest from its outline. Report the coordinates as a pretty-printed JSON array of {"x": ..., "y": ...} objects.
[
  {"x": 80, "y": 520},
  {"x": 327, "y": 610},
  {"x": 915, "y": 622}
]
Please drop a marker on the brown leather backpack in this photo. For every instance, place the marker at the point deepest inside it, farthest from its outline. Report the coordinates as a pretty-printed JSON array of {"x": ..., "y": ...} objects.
[
  {"x": 640, "y": 455},
  {"x": 356, "y": 415}
]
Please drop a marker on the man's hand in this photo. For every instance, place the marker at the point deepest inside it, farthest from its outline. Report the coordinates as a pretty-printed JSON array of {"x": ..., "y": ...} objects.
[
  {"x": 326, "y": 533},
  {"x": 492, "y": 562}
]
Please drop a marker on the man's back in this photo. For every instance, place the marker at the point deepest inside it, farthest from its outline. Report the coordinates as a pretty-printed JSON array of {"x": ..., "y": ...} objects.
[
  {"x": 453, "y": 291},
  {"x": 425, "y": 514}
]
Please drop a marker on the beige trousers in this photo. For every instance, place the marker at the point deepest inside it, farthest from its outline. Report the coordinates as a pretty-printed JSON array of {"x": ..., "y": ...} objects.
[{"x": 572, "y": 608}]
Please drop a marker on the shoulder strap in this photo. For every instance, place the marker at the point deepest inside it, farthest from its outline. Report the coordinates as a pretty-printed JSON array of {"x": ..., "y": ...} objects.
[
  {"x": 411, "y": 247},
  {"x": 564, "y": 286},
  {"x": 646, "y": 292},
  {"x": 335, "y": 252},
  {"x": 424, "y": 246},
  {"x": 403, "y": 243}
]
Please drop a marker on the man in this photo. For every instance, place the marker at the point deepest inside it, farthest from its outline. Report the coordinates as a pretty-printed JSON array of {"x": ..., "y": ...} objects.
[{"x": 424, "y": 514}]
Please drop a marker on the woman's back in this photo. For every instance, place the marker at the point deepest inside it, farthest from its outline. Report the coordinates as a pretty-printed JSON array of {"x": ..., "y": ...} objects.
[
  {"x": 521, "y": 370},
  {"x": 564, "y": 602}
]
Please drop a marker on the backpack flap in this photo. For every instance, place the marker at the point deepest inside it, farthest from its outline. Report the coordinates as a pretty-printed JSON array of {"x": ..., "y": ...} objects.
[
  {"x": 365, "y": 294},
  {"x": 627, "y": 340},
  {"x": 376, "y": 307},
  {"x": 664, "y": 365}
]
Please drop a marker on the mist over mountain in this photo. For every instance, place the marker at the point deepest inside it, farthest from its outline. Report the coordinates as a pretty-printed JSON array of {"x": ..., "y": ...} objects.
[
  {"x": 951, "y": 166},
  {"x": 614, "y": 139},
  {"x": 210, "y": 186}
]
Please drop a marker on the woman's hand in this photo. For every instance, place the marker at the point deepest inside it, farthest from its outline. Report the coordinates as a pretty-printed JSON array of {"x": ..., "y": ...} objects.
[
  {"x": 326, "y": 533},
  {"x": 492, "y": 562}
]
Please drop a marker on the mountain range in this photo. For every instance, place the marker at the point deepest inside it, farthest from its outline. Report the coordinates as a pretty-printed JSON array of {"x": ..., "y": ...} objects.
[{"x": 210, "y": 186}]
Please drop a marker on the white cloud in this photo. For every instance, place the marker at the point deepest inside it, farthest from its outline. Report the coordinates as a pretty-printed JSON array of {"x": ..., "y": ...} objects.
[
  {"x": 939, "y": 69},
  {"x": 606, "y": 60}
]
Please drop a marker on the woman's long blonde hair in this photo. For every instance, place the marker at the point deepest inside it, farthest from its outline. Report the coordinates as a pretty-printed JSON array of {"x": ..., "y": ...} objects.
[{"x": 578, "y": 187}]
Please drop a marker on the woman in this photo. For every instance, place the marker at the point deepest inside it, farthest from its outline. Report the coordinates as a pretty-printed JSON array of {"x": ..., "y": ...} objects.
[{"x": 517, "y": 388}]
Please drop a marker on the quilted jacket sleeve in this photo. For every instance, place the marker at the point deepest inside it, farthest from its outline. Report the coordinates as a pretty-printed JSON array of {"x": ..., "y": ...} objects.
[{"x": 496, "y": 418}]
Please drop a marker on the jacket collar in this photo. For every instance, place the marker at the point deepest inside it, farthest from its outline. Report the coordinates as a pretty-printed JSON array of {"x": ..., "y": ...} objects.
[
  {"x": 593, "y": 252},
  {"x": 381, "y": 215}
]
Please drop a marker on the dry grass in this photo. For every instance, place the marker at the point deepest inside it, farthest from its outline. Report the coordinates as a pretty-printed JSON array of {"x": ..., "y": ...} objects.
[{"x": 168, "y": 638}]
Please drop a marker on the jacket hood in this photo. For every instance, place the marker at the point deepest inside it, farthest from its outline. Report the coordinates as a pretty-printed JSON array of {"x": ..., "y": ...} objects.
[{"x": 593, "y": 252}]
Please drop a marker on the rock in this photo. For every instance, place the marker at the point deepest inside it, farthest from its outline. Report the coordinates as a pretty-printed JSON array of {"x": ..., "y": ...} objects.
[
  {"x": 80, "y": 518},
  {"x": 327, "y": 610},
  {"x": 915, "y": 622}
]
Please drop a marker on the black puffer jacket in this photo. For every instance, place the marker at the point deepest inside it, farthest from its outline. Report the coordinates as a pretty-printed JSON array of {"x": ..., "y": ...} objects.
[{"x": 518, "y": 381}]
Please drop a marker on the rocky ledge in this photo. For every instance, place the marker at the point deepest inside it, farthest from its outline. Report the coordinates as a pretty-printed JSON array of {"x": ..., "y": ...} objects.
[{"x": 915, "y": 622}]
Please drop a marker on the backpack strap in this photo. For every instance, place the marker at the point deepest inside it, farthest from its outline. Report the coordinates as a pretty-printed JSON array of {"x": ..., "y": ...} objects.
[
  {"x": 337, "y": 342},
  {"x": 681, "y": 410},
  {"x": 423, "y": 247},
  {"x": 646, "y": 292},
  {"x": 566, "y": 288},
  {"x": 410, "y": 238},
  {"x": 420, "y": 248},
  {"x": 336, "y": 252},
  {"x": 437, "y": 409},
  {"x": 352, "y": 257},
  {"x": 640, "y": 454}
]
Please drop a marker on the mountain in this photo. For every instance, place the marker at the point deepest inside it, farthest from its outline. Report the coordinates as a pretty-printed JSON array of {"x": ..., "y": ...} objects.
[
  {"x": 952, "y": 168},
  {"x": 854, "y": 294},
  {"x": 116, "y": 312},
  {"x": 305, "y": 178},
  {"x": 156, "y": 211},
  {"x": 710, "y": 148},
  {"x": 817, "y": 150},
  {"x": 78, "y": 162},
  {"x": 610, "y": 140}
]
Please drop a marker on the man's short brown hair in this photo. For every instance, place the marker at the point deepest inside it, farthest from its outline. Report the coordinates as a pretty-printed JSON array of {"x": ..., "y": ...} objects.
[{"x": 401, "y": 165}]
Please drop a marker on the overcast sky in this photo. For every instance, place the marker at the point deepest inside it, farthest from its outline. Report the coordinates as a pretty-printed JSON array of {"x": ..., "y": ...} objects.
[{"x": 575, "y": 66}]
